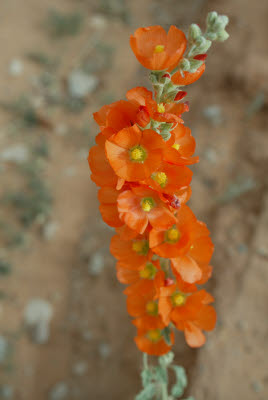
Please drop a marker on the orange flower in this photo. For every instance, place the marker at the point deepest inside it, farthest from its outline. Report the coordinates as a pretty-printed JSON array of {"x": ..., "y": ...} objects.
[
  {"x": 175, "y": 201},
  {"x": 102, "y": 172},
  {"x": 148, "y": 109},
  {"x": 125, "y": 233},
  {"x": 170, "y": 297},
  {"x": 189, "y": 77},
  {"x": 148, "y": 274},
  {"x": 108, "y": 206},
  {"x": 170, "y": 178},
  {"x": 194, "y": 316},
  {"x": 181, "y": 146},
  {"x": 116, "y": 116},
  {"x": 140, "y": 206},
  {"x": 150, "y": 337},
  {"x": 131, "y": 253},
  {"x": 139, "y": 306},
  {"x": 134, "y": 154},
  {"x": 147, "y": 271},
  {"x": 157, "y": 50},
  {"x": 186, "y": 243}
]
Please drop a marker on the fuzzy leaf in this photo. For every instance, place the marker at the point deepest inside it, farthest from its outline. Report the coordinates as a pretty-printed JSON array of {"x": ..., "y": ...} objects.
[
  {"x": 147, "y": 393},
  {"x": 161, "y": 374},
  {"x": 146, "y": 376},
  {"x": 166, "y": 335},
  {"x": 178, "y": 389},
  {"x": 166, "y": 359},
  {"x": 180, "y": 375}
]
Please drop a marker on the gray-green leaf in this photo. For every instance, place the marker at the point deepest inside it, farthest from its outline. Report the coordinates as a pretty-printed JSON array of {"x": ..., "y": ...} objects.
[{"x": 147, "y": 393}]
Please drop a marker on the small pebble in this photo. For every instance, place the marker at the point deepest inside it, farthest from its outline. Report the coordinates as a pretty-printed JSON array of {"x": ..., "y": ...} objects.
[
  {"x": 17, "y": 154},
  {"x": 50, "y": 230},
  {"x": 70, "y": 171},
  {"x": 37, "y": 317},
  {"x": 61, "y": 129},
  {"x": 3, "y": 349},
  {"x": 80, "y": 84},
  {"x": 87, "y": 335},
  {"x": 96, "y": 264},
  {"x": 104, "y": 350},
  {"x": 211, "y": 155},
  {"x": 6, "y": 392},
  {"x": 257, "y": 386},
  {"x": 59, "y": 392},
  {"x": 98, "y": 22},
  {"x": 15, "y": 67},
  {"x": 213, "y": 114},
  {"x": 80, "y": 368}
]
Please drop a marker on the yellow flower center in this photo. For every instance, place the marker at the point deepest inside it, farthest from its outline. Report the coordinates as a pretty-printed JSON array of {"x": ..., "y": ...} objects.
[
  {"x": 138, "y": 154},
  {"x": 178, "y": 299},
  {"x": 173, "y": 235},
  {"x": 176, "y": 146},
  {"x": 161, "y": 108},
  {"x": 148, "y": 272},
  {"x": 159, "y": 48},
  {"x": 147, "y": 204},
  {"x": 154, "y": 335},
  {"x": 152, "y": 308},
  {"x": 160, "y": 178},
  {"x": 141, "y": 247}
]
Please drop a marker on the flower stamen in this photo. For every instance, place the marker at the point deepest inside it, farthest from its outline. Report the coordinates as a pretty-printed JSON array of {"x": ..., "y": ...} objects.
[
  {"x": 173, "y": 235},
  {"x": 152, "y": 308},
  {"x": 154, "y": 335},
  {"x": 161, "y": 108},
  {"x": 159, "y": 48},
  {"x": 147, "y": 204},
  {"x": 141, "y": 247},
  {"x": 138, "y": 154}
]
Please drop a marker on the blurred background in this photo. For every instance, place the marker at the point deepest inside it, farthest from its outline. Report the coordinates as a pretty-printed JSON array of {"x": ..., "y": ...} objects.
[{"x": 64, "y": 329}]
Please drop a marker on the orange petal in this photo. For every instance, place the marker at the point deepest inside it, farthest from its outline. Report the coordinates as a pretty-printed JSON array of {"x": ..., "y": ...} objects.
[
  {"x": 187, "y": 268},
  {"x": 193, "y": 335},
  {"x": 189, "y": 77}
]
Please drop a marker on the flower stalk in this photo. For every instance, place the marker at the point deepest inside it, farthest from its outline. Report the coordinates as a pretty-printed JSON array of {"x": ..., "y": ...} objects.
[{"x": 141, "y": 164}]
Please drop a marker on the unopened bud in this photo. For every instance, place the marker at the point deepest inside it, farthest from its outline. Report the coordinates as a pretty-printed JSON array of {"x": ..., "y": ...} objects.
[
  {"x": 195, "y": 64},
  {"x": 220, "y": 23},
  {"x": 167, "y": 75},
  {"x": 211, "y": 18},
  {"x": 202, "y": 46},
  {"x": 143, "y": 116},
  {"x": 200, "y": 57},
  {"x": 222, "y": 36},
  {"x": 180, "y": 95},
  {"x": 184, "y": 64},
  {"x": 168, "y": 282},
  {"x": 194, "y": 32}
]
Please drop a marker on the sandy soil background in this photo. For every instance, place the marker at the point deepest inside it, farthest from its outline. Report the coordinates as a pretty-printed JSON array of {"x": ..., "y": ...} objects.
[{"x": 60, "y": 61}]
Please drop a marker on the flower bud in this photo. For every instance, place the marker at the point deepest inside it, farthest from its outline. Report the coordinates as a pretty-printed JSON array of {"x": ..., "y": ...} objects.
[
  {"x": 202, "y": 46},
  {"x": 211, "y": 18},
  {"x": 195, "y": 64},
  {"x": 222, "y": 36},
  {"x": 194, "y": 32},
  {"x": 184, "y": 64},
  {"x": 143, "y": 116},
  {"x": 200, "y": 57},
  {"x": 220, "y": 23},
  {"x": 168, "y": 282},
  {"x": 180, "y": 95},
  {"x": 211, "y": 36},
  {"x": 167, "y": 75}
]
